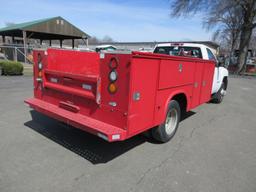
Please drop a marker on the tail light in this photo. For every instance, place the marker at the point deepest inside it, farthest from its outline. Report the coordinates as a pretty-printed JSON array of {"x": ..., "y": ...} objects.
[
  {"x": 40, "y": 74},
  {"x": 112, "y": 88},
  {"x": 39, "y": 67},
  {"x": 113, "y": 76}
]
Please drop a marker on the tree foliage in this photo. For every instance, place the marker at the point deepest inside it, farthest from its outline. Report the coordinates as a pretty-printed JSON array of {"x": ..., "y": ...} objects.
[
  {"x": 232, "y": 20},
  {"x": 105, "y": 39}
]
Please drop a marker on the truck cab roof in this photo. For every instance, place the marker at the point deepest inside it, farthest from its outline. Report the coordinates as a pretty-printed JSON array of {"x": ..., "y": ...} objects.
[{"x": 186, "y": 49}]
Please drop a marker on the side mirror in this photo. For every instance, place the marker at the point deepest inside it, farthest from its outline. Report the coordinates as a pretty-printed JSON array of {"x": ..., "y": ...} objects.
[{"x": 220, "y": 61}]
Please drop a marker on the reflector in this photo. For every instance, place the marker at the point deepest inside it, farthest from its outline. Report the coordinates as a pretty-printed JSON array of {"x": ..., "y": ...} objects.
[{"x": 113, "y": 63}]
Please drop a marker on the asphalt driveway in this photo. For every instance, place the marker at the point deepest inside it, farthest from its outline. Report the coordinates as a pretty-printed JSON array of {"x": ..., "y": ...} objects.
[{"x": 213, "y": 150}]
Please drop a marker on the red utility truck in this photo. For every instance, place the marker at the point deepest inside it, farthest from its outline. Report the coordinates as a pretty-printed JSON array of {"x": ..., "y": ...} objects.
[{"x": 116, "y": 95}]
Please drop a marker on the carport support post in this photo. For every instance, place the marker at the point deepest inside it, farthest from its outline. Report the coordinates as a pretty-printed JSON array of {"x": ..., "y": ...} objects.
[
  {"x": 60, "y": 43},
  {"x": 15, "y": 54},
  {"x": 87, "y": 42},
  {"x": 41, "y": 41},
  {"x": 3, "y": 39},
  {"x": 50, "y": 43},
  {"x": 25, "y": 45},
  {"x": 14, "y": 50},
  {"x": 73, "y": 43}
]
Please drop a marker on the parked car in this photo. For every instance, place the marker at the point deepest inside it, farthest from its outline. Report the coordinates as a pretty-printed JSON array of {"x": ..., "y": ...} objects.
[
  {"x": 2, "y": 57},
  {"x": 105, "y": 48}
]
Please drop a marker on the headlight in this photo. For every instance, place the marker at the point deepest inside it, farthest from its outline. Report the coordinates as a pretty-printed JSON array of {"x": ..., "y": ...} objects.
[{"x": 113, "y": 75}]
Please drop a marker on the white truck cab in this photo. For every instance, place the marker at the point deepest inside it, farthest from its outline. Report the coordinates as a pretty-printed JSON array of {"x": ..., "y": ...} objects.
[{"x": 220, "y": 79}]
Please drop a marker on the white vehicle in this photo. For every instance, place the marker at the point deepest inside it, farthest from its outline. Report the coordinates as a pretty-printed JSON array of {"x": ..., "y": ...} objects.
[
  {"x": 2, "y": 56},
  {"x": 146, "y": 50},
  {"x": 105, "y": 48},
  {"x": 220, "y": 79}
]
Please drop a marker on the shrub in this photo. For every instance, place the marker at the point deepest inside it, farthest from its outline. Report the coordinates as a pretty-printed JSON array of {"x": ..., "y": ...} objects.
[{"x": 11, "y": 68}]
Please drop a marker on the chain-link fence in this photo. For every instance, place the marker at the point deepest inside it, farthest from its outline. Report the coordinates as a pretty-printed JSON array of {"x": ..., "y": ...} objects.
[{"x": 17, "y": 53}]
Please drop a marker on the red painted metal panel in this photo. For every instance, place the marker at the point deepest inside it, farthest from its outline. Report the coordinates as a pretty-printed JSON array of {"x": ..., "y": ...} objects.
[
  {"x": 163, "y": 98},
  {"x": 121, "y": 97},
  {"x": 144, "y": 81},
  {"x": 198, "y": 76},
  {"x": 176, "y": 73},
  {"x": 73, "y": 62},
  {"x": 70, "y": 90},
  {"x": 207, "y": 82}
]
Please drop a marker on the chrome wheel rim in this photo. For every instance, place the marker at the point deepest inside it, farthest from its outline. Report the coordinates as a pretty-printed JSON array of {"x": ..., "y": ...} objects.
[
  {"x": 223, "y": 92},
  {"x": 171, "y": 121}
]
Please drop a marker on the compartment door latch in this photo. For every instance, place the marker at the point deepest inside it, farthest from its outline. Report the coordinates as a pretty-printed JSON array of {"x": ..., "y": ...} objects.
[{"x": 136, "y": 96}]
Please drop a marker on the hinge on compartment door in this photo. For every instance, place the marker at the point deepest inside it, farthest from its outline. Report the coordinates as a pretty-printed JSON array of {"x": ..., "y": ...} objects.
[
  {"x": 180, "y": 67},
  {"x": 98, "y": 91}
]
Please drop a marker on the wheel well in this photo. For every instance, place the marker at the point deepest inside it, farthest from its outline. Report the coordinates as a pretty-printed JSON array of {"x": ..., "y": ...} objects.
[
  {"x": 225, "y": 81},
  {"x": 182, "y": 100}
]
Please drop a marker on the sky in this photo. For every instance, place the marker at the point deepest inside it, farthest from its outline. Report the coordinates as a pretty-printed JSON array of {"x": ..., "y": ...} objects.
[{"x": 124, "y": 21}]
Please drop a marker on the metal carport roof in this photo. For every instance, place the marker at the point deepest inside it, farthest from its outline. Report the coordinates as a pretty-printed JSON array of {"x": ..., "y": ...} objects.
[{"x": 55, "y": 28}]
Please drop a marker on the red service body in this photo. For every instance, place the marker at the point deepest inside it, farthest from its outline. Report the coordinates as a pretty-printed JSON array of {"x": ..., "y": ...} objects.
[{"x": 74, "y": 87}]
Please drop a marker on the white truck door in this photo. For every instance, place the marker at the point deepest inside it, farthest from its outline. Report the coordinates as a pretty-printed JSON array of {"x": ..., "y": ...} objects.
[{"x": 216, "y": 77}]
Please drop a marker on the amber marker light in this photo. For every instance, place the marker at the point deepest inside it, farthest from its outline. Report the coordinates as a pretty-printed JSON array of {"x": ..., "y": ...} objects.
[{"x": 112, "y": 88}]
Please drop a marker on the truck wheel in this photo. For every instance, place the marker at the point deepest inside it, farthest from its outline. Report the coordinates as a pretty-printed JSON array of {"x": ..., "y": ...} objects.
[
  {"x": 218, "y": 98},
  {"x": 167, "y": 130}
]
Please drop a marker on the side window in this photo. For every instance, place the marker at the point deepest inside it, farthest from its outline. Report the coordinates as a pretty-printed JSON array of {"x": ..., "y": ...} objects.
[{"x": 210, "y": 55}]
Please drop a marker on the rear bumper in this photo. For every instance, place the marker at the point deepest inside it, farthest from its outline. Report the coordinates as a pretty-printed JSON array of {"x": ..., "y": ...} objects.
[{"x": 99, "y": 128}]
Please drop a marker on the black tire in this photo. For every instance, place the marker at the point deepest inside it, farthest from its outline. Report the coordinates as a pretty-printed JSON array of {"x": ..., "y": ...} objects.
[
  {"x": 219, "y": 96},
  {"x": 147, "y": 134},
  {"x": 162, "y": 133}
]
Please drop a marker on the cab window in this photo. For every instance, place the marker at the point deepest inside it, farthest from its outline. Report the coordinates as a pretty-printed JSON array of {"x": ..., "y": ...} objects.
[
  {"x": 210, "y": 55},
  {"x": 179, "y": 51}
]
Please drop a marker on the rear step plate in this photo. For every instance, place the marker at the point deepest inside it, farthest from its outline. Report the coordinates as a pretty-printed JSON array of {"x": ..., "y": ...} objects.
[{"x": 104, "y": 130}]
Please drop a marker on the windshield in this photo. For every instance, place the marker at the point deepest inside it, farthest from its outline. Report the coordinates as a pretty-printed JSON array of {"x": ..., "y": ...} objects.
[{"x": 179, "y": 51}]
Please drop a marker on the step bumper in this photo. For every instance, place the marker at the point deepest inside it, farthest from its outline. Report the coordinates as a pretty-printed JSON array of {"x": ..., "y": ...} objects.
[{"x": 105, "y": 131}]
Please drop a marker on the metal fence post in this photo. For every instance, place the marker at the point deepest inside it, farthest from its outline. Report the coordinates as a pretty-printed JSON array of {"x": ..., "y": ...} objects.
[
  {"x": 25, "y": 45},
  {"x": 15, "y": 54}
]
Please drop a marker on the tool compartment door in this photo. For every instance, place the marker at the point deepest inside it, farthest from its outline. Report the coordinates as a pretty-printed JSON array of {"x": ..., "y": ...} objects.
[
  {"x": 144, "y": 79},
  {"x": 198, "y": 76},
  {"x": 207, "y": 80},
  {"x": 175, "y": 73}
]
